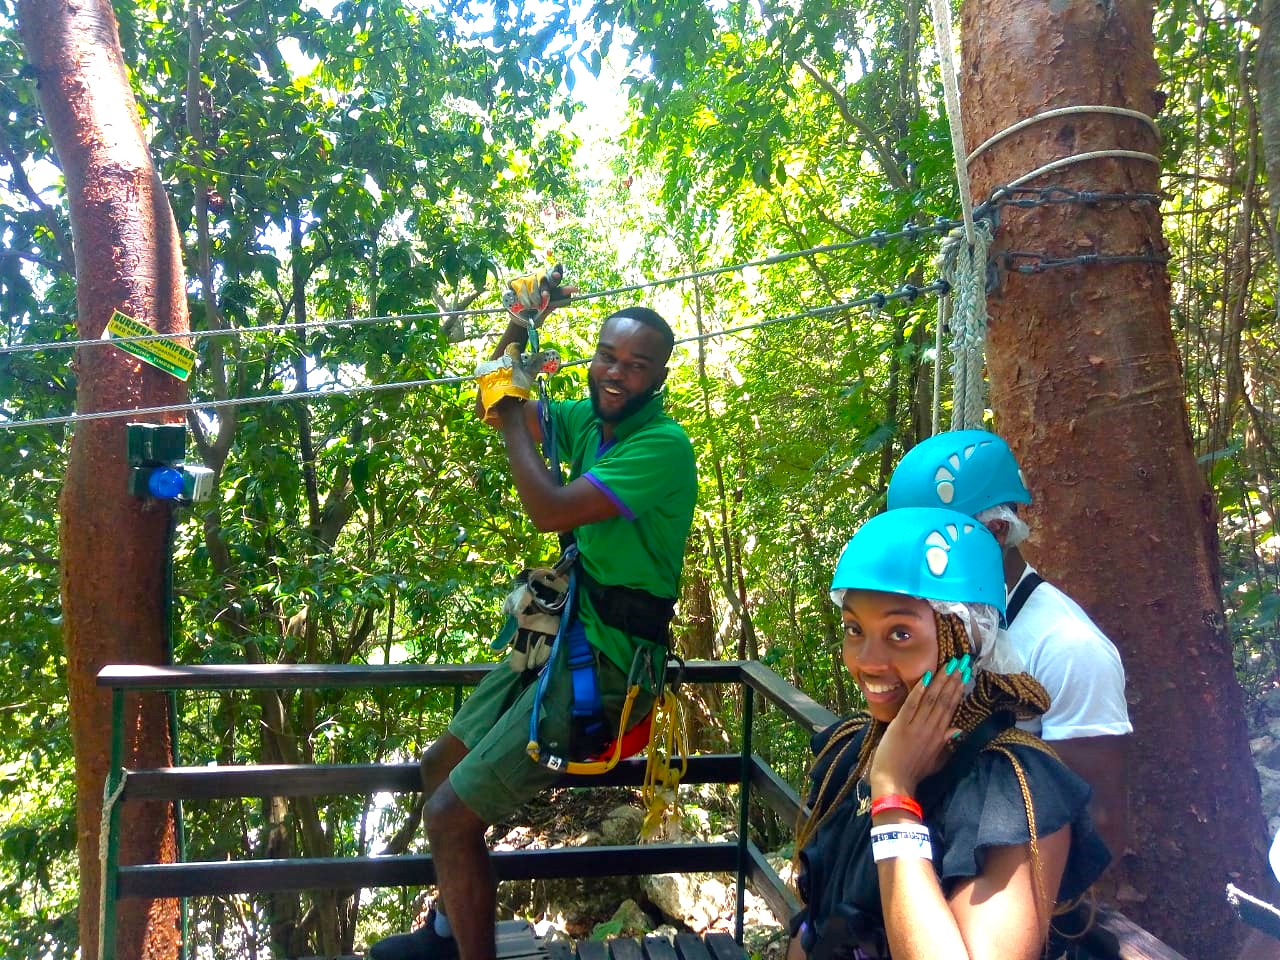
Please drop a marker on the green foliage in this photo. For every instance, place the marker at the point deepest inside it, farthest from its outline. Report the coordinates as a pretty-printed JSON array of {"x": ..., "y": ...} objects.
[
  {"x": 1224, "y": 305},
  {"x": 390, "y": 161},
  {"x": 363, "y": 162},
  {"x": 604, "y": 931},
  {"x": 37, "y": 786}
]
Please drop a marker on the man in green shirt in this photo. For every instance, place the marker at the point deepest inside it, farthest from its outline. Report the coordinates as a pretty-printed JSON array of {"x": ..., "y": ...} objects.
[{"x": 629, "y": 503}]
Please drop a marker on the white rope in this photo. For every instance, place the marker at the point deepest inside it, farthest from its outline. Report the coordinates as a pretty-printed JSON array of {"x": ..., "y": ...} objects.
[
  {"x": 964, "y": 266},
  {"x": 1079, "y": 158},
  {"x": 945, "y": 46},
  {"x": 944, "y": 316},
  {"x": 968, "y": 279},
  {"x": 104, "y": 831},
  {"x": 1060, "y": 112}
]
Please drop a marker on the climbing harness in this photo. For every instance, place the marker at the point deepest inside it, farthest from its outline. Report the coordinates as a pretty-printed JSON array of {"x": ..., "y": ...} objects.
[
  {"x": 647, "y": 618},
  {"x": 591, "y": 751},
  {"x": 636, "y": 613},
  {"x": 662, "y": 729}
]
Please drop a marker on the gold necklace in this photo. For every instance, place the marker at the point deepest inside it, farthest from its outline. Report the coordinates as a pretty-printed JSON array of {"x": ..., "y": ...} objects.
[{"x": 864, "y": 803}]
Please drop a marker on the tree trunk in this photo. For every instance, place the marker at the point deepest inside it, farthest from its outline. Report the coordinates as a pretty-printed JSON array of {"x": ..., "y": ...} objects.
[
  {"x": 127, "y": 256},
  {"x": 1086, "y": 386}
]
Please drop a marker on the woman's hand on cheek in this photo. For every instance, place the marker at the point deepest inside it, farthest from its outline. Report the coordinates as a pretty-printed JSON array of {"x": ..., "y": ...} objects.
[{"x": 915, "y": 743}]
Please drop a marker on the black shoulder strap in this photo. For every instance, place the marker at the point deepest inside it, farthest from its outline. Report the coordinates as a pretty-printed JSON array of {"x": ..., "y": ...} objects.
[{"x": 1025, "y": 588}]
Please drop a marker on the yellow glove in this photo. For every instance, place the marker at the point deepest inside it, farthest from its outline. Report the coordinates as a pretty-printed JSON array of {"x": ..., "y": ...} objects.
[
  {"x": 511, "y": 375},
  {"x": 531, "y": 297}
]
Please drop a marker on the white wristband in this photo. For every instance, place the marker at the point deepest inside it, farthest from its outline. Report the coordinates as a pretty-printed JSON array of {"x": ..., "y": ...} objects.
[{"x": 901, "y": 840}]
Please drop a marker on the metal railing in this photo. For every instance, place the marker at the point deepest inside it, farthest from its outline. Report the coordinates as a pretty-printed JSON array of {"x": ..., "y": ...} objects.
[
  {"x": 1112, "y": 934},
  {"x": 214, "y": 878}
]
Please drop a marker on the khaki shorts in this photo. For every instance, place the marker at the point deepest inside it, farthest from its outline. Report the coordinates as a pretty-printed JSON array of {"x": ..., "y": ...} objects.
[{"x": 497, "y": 776}]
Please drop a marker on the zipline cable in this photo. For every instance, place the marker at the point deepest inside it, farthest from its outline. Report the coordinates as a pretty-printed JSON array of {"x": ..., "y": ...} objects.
[
  {"x": 906, "y": 292},
  {"x": 876, "y": 238}
]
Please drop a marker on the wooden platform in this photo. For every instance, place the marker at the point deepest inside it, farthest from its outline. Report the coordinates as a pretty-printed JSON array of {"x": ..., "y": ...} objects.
[
  {"x": 516, "y": 940},
  {"x": 1113, "y": 937},
  {"x": 685, "y": 946}
]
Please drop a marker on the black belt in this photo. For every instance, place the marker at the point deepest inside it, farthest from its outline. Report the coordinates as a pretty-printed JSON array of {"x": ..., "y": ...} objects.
[{"x": 635, "y": 612}]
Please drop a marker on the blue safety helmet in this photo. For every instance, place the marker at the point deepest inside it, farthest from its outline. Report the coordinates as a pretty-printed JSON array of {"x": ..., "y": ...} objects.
[
  {"x": 965, "y": 470},
  {"x": 923, "y": 552}
]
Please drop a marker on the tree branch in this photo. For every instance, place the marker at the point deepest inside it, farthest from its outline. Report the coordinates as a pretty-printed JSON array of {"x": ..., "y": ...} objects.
[
  {"x": 887, "y": 164},
  {"x": 47, "y": 212}
]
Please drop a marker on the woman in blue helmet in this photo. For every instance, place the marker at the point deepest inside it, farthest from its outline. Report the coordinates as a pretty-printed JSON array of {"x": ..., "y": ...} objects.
[{"x": 936, "y": 828}]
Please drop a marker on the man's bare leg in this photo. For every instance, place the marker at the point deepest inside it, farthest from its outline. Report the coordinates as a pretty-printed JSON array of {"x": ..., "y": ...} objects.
[
  {"x": 438, "y": 760},
  {"x": 463, "y": 872},
  {"x": 423, "y": 943}
]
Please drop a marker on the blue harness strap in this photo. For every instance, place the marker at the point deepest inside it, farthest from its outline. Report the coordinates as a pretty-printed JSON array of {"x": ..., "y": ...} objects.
[
  {"x": 549, "y": 450},
  {"x": 587, "y": 713},
  {"x": 588, "y": 708},
  {"x": 567, "y": 616}
]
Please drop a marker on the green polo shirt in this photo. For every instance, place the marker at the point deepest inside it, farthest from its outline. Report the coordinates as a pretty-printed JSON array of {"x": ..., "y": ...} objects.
[{"x": 648, "y": 470}]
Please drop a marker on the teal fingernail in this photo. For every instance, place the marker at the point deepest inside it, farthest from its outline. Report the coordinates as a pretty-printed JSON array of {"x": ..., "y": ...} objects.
[
  {"x": 966, "y": 675},
  {"x": 928, "y": 675},
  {"x": 964, "y": 664},
  {"x": 956, "y": 735},
  {"x": 951, "y": 666}
]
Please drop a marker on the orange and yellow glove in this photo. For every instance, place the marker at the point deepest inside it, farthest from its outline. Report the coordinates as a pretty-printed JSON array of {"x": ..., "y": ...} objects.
[
  {"x": 531, "y": 297},
  {"x": 511, "y": 375}
]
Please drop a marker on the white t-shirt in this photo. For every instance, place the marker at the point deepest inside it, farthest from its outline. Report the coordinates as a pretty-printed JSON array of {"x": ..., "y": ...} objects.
[{"x": 1076, "y": 664}]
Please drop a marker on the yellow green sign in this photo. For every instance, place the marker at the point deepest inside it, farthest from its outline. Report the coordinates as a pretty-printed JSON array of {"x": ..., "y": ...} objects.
[{"x": 164, "y": 354}]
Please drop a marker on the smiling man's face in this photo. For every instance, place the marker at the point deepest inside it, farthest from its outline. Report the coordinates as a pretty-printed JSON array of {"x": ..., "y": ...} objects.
[{"x": 628, "y": 368}]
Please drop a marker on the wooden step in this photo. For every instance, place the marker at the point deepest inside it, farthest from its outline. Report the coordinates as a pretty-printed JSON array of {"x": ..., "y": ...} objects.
[{"x": 517, "y": 940}]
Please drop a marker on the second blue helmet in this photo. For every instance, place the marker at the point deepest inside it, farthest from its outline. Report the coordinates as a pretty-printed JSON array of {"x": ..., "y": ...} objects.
[{"x": 965, "y": 470}]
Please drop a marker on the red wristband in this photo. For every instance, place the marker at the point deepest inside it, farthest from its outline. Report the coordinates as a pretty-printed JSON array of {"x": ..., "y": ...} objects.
[{"x": 896, "y": 801}]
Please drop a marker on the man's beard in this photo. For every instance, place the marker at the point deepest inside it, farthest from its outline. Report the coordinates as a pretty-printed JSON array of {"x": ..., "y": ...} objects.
[{"x": 628, "y": 408}]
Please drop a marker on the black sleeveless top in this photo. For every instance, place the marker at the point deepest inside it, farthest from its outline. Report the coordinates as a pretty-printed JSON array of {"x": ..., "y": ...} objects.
[{"x": 967, "y": 813}]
